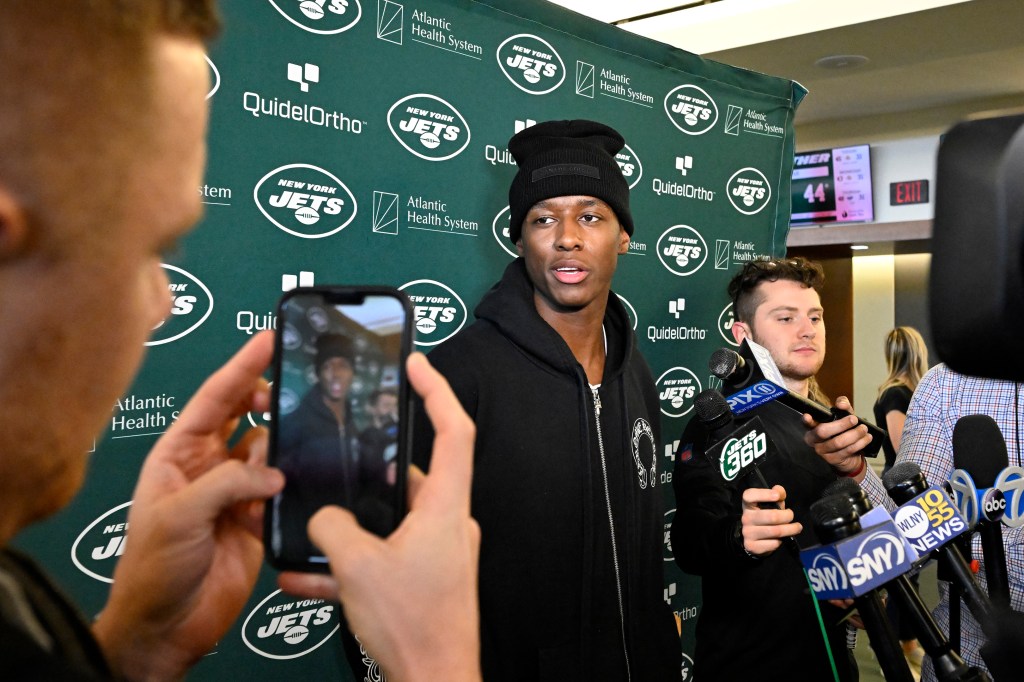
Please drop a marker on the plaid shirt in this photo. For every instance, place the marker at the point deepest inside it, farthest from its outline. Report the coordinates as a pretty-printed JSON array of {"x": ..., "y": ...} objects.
[{"x": 942, "y": 397}]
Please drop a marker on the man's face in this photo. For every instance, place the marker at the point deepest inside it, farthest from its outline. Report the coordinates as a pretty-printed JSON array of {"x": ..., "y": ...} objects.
[
  {"x": 789, "y": 322},
  {"x": 571, "y": 246},
  {"x": 88, "y": 288},
  {"x": 335, "y": 376},
  {"x": 386, "y": 407}
]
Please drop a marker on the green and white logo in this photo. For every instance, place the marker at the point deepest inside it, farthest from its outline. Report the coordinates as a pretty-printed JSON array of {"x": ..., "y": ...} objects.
[
  {"x": 691, "y": 109},
  {"x": 428, "y": 127},
  {"x": 283, "y": 627},
  {"x": 97, "y": 548},
  {"x": 676, "y": 389},
  {"x": 191, "y": 304},
  {"x": 439, "y": 311},
  {"x": 531, "y": 63},
  {"x": 682, "y": 250},
  {"x": 629, "y": 164},
  {"x": 305, "y": 200},
  {"x": 740, "y": 453},
  {"x": 748, "y": 191},
  {"x": 320, "y": 16}
]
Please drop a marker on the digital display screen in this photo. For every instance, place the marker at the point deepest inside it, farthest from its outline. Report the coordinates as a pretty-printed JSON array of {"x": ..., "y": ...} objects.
[{"x": 832, "y": 186}]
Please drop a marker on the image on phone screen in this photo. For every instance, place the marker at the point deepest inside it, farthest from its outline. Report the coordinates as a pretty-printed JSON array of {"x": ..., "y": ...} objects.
[{"x": 337, "y": 415}]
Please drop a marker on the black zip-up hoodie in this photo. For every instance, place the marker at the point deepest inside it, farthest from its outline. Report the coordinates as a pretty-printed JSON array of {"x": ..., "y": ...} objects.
[{"x": 550, "y": 575}]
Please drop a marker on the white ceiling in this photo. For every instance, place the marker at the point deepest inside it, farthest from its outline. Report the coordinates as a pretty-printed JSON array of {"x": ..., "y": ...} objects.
[{"x": 931, "y": 62}]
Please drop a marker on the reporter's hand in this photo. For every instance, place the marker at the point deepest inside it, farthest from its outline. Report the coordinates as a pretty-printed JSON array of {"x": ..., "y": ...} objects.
[
  {"x": 764, "y": 529},
  {"x": 194, "y": 550},
  {"x": 839, "y": 442},
  {"x": 412, "y": 598}
]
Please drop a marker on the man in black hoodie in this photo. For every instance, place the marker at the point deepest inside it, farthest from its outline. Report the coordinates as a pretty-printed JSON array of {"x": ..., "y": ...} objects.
[{"x": 566, "y": 409}]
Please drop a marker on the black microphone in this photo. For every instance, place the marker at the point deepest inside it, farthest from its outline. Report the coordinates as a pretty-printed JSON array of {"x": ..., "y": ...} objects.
[
  {"x": 979, "y": 449},
  {"x": 836, "y": 519},
  {"x": 751, "y": 441},
  {"x": 949, "y": 666},
  {"x": 747, "y": 379},
  {"x": 904, "y": 481}
]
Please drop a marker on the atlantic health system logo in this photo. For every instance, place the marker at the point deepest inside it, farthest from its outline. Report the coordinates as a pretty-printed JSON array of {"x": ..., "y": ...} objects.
[
  {"x": 428, "y": 127},
  {"x": 305, "y": 200}
]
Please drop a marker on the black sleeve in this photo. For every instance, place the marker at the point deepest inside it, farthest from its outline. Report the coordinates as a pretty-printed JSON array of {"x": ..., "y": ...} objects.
[
  {"x": 461, "y": 376},
  {"x": 895, "y": 399},
  {"x": 707, "y": 520}
]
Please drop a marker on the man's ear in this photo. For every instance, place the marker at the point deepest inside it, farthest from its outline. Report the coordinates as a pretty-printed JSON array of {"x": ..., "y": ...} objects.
[
  {"x": 519, "y": 246},
  {"x": 740, "y": 331},
  {"x": 623, "y": 241},
  {"x": 13, "y": 225}
]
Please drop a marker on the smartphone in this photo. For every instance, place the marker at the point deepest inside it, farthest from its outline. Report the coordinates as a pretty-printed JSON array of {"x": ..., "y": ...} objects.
[{"x": 339, "y": 414}]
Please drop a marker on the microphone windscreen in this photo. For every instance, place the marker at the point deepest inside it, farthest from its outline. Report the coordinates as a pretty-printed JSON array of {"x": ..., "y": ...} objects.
[
  {"x": 832, "y": 508},
  {"x": 901, "y": 472},
  {"x": 979, "y": 448},
  {"x": 724, "y": 362},
  {"x": 842, "y": 486},
  {"x": 710, "y": 406}
]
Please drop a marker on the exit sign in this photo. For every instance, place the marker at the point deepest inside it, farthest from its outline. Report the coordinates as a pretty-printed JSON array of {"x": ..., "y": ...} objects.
[{"x": 908, "y": 192}]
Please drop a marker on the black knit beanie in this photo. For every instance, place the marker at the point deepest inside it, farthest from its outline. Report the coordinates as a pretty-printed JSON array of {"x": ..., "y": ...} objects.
[
  {"x": 566, "y": 158},
  {"x": 333, "y": 346}
]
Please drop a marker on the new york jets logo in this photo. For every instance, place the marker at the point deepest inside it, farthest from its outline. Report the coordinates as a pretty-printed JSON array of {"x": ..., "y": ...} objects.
[
  {"x": 439, "y": 311},
  {"x": 428, "y": 127},
  {"x": 629, "y": 164},
  {"x": 191, "y": 304},
  {"x": 677, "y": 388},
  {"x": 305, "y": 201},
  {"x": 682, "y": 250},
  {"x": 97, "y": 548},
  {"x": 320, "y": 16},
  {"x": 531, "y": 63},
  {"x": 284, "y": 627},
  {"x": 748, "y": 191},
  {"x": 691, "y": 109}
]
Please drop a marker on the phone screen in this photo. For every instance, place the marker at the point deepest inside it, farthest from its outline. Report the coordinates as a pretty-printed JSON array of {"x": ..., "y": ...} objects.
[{"x": 339, "y": 414}]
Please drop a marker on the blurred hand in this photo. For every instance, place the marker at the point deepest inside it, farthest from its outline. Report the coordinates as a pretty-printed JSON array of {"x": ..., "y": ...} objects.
[
  {"x": 411, "y": 598},
  {"x": 194, "y": 550}
]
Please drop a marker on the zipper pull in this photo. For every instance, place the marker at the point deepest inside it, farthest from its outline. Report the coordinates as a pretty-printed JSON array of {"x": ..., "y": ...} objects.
[{"x": 597, "y": 401}]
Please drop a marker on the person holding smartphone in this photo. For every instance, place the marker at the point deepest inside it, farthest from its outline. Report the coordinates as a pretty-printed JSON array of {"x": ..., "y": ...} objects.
[{"x": 566, "y": 488}]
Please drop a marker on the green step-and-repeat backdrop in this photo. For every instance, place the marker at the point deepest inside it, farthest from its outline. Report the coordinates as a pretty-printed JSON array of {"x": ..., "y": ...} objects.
[{"x": 362, "y": 141}]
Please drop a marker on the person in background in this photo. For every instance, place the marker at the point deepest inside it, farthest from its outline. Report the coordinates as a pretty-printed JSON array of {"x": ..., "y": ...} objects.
[{"x": 906, "y": 360}]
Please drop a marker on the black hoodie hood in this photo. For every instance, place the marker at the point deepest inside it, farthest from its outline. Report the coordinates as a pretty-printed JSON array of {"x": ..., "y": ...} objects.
[{"x": 509, "y": 306}]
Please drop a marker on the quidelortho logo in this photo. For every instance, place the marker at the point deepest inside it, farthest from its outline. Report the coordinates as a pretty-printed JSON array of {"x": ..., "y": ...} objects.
[
  {"x": 629, "y": 164},
  {"x": 500, "y": 229},
  {"x": 645, "y": 454},
  {"x": 682, "y": 250},
  {"x": 320, "y": 16},
  {"x": 428, "y": 127},
  {"x": 97, "y": 547},
  {"x": 748, "y": 191},
  {"x": 191, "y": 304},
  {"x": 305, "y": 200},
  {"x": 691, "y": 109},
  {"x": 531, "y": 63},
  {"x": 439, "y": 311},
  {"x": 677, "y": 388},
  {"x": 725, "y": 322},
  {"x": 282, "y": 626}
]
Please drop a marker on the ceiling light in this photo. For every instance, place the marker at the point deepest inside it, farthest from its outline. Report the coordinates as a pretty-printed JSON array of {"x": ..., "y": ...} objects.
[
  {"x": 858, "y": 247},
  {"x": 835, "y": 62}
]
